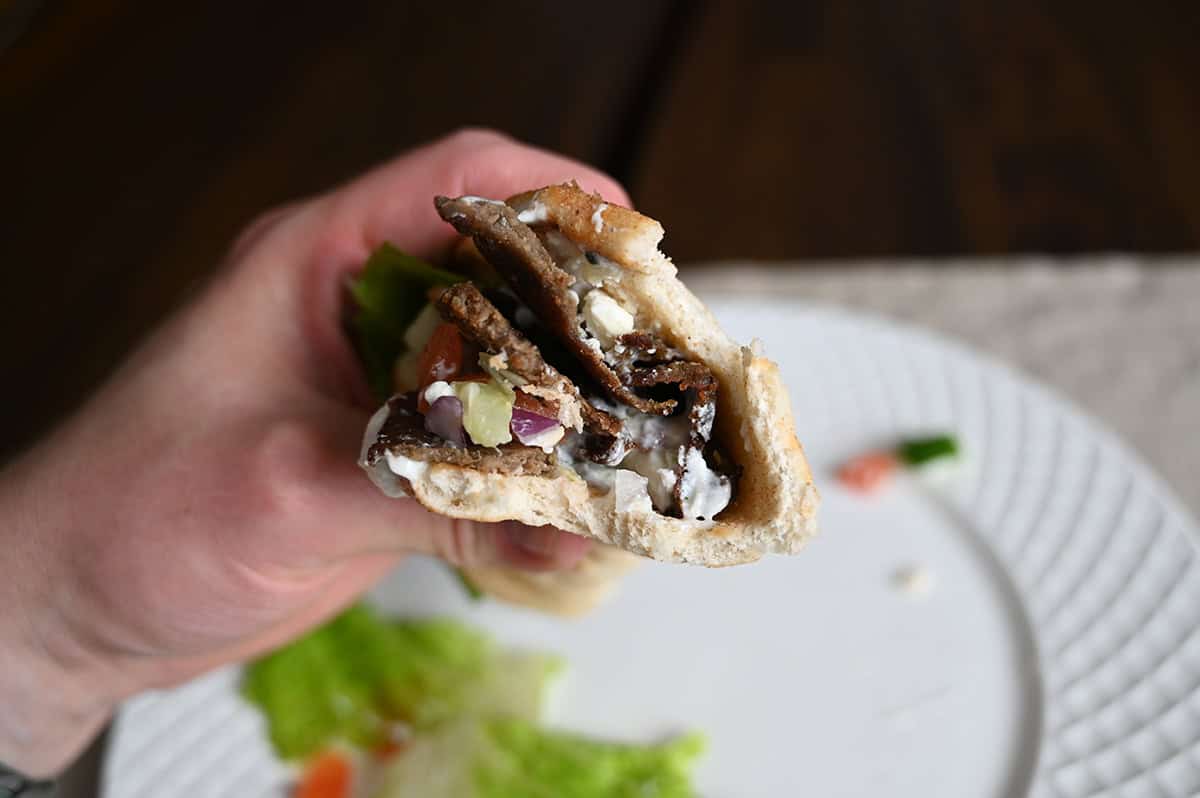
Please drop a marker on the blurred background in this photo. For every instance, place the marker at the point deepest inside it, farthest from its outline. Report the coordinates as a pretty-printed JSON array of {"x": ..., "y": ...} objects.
[{"x": 140, "y": 136}]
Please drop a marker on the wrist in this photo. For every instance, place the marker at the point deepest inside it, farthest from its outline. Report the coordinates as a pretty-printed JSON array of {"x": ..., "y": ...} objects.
[{"x": 53, "y": 692}]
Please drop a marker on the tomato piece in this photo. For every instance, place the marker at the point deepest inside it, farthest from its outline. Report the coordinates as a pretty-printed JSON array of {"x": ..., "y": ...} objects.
[
  {"x": 327, "y": 776},
  {"x": 443, "y": 355},
  {"x": 442, "y": 359},
  {"x": 867, "y": 473}
]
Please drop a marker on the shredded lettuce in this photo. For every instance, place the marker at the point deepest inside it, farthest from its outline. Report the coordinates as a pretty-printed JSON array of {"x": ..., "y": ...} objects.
[
  {"x": 353, "y": 678},
  {"x": 388, "y": 294},
  {"x": 471, "y": 710},
  {"x": 500, "y": 758},
  {"x": 529, "y": 761}
]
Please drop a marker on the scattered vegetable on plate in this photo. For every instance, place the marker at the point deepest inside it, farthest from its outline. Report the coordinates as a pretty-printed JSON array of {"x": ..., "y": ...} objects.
[
  {"x": 367, "y": 706},
  {"x": 870, "y": 471}
]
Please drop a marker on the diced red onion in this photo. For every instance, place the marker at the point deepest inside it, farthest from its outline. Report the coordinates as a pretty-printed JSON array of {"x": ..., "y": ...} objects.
[
  {"x": 526, "y": 426},
  {"x": 444, "y": 419}
]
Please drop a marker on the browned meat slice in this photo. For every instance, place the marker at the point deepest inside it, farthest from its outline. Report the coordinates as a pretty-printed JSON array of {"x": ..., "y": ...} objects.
[
  {"x": 480, "y": 322},
  {"x": 404, "y": 434},
  {"x": 550, "y": 408},
  {"x": 696, "y": 380},
  {"x": 700, "y": 387},
  {"x": 519, "y": 255},
  {"x": 646, "y": 347},
  {"x": 464, "y": 306},
  {"x": 640, "y": 349}
]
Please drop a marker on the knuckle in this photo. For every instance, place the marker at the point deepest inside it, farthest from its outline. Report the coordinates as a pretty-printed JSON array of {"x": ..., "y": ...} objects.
[{"x": 282, "y": 473}]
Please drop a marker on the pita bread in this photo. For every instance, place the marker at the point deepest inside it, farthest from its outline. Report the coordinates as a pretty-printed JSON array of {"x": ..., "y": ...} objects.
[{"x": 774, "y": 507}]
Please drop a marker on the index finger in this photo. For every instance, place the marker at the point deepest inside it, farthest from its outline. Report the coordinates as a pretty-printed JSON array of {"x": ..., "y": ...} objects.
[{"x": 394, "y": 202}]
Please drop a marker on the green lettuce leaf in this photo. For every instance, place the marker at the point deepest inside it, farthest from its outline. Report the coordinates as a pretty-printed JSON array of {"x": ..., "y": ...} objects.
[
  {"x": 498, "y": 758},
  {"x": 354, "y": 677},
  {"x": 529, "y": 761},
  {"x": 471, "y": 708},
  {"x": 388, "y": 294}
]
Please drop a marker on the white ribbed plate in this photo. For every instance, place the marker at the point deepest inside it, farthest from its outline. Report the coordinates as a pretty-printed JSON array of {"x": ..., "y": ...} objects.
[{"x": 1057, "y": 653}]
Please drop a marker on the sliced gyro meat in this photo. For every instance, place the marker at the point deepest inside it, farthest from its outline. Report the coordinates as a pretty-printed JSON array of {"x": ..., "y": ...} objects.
[
  {"x": 696, "y": 380},
  {"x": 403, "y": 435},
  {"x": 640, "y": 349},
  {"x": 518, "y": 253},
  {"x": 508, "y": 351}
]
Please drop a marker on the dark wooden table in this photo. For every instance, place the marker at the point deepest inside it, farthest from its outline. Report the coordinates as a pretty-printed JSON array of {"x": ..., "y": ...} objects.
[{"x": 139, "y": 136}]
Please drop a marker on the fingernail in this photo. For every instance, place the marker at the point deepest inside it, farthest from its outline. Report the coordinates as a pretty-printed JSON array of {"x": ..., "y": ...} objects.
[{"x": 540, "y": 541}]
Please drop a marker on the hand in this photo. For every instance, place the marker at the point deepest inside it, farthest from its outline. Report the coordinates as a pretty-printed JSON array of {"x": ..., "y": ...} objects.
[{"x": 205, "y": 505}]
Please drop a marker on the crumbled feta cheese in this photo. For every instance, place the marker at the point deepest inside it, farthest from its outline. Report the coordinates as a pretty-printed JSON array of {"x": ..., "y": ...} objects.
[
  {"x": 605, "y": 318},
  {"x": 437, "y": 390}
]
